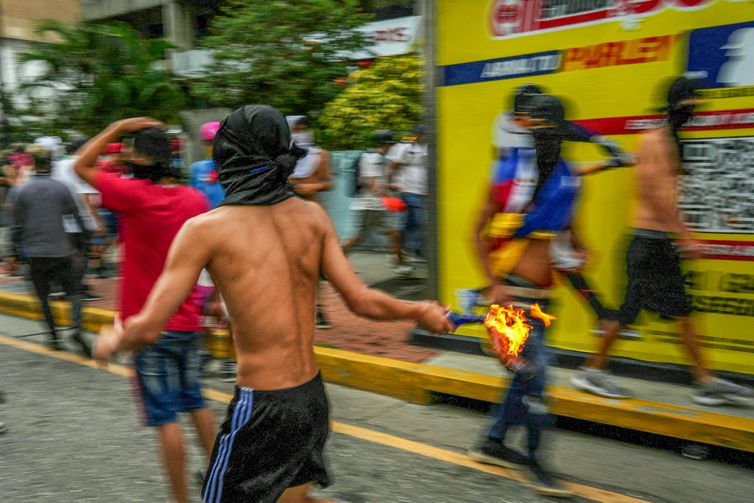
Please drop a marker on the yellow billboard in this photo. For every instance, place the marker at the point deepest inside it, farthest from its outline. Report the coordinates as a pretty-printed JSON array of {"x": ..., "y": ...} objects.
[{"x": 606, "y": 58}]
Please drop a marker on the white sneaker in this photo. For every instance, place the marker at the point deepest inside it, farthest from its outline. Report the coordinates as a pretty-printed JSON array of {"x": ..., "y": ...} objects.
[
  {"x": 404, "y": 270},
  {"x": 721, "y": 392},
  {"x": 598, "y": 383}
]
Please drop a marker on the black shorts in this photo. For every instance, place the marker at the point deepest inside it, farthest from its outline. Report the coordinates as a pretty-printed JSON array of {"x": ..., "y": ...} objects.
[
  {"x": 655, "y": 280},
  {"x": 270, "y": 441}
]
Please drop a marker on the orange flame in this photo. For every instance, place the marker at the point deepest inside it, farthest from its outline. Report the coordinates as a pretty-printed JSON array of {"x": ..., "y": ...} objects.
[
  {"x": 508, "y": 329},
  {"x": 507, "y": 326},
  {"x": 536, "y": 312}
]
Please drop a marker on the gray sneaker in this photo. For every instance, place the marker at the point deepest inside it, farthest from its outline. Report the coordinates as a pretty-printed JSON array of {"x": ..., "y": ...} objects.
[
  {"x": 721, "y": 392},
  {"x": 597, "y": 382}
]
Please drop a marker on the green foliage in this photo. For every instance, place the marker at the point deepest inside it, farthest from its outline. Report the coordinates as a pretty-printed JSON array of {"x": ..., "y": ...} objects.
[
  {"x": 286, "y": 54},
  {"x": 99, "y": 74},
  {"x": 387, "y": 95}
]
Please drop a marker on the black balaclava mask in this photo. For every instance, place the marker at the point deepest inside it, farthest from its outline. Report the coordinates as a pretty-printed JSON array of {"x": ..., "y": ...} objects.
[
  {"x": 682, "y": 89},
  {"x": 547, "y": 140},
  {"x": 255, "y": 156}
]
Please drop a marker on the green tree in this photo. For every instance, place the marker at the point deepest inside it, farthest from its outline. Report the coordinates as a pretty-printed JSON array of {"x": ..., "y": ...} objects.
[
  {"x": 286, "y": 54},
  {"x": 96, "y": 74},
  {"x": 386, "y": 95}
]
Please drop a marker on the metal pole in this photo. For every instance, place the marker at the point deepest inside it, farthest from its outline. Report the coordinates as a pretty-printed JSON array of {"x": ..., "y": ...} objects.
[
  {"x": 430, "y": 123},
  {"x": 5, "y": 122}
]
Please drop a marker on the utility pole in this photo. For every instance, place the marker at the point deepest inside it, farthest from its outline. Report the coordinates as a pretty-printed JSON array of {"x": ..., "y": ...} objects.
[{"x": 5, "y": 102}]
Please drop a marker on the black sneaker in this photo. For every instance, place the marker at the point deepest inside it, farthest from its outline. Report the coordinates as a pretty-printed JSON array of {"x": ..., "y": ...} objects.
[
  {"x": 493, "y": 452},
  {"x": 54, "y": 345},
  {"x": 321, "y": 320},
  {"x": 56, "y": 295},
  {"x": 542, "y": 482},
  {"x": 90, "y": 297},
  {"x": 86, "y": 348}
]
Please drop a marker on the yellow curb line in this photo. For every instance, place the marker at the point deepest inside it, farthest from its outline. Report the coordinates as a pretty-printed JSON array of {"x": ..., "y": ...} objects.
[
  {"x": 376, "y": 437},
  {"x": 418, "y": 382}
]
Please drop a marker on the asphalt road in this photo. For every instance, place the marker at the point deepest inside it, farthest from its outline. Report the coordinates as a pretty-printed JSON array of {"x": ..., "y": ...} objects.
[{"x": 74, "y": 436}]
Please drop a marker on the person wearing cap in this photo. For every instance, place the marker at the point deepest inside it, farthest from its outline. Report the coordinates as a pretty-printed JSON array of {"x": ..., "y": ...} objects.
[
  {"x": 266, "y": 250},
  {"x": 368, "y": 204},
  {"x": 39, "y": 209},
  {"x": 203, "y": 174},
  {"x": 660, "y": 240},
  {"x": 153, "y": 208},
  {"x": 410, "y": 166}
]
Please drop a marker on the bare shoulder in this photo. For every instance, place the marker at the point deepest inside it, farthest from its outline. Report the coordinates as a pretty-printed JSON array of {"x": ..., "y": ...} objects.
[
  {"x": 204, "y": 225},
  {"x": 652, "y": 139},
  {"x": 309, "y": 211}
]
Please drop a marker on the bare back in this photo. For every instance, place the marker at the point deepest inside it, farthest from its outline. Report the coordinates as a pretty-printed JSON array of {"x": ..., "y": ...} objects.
[
  {"x": 658, "y": 183},
  {"x": 267, "y": 266}
]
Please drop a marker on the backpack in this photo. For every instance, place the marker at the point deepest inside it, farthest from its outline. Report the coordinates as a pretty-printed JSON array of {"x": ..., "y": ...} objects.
[{"x": 356, "y": 184}]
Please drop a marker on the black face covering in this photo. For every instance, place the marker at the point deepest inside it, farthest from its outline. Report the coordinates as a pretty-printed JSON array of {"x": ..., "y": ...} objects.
[
  {"x": 547, "y": 143},
  {"x": 681, "y": 89},
  {"x": 146, "y": 171},
  {"x": 255, "y": 157}
]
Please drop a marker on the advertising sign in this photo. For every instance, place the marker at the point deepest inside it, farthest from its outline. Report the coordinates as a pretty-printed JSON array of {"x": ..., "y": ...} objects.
[{"x": 607, "y": 60}]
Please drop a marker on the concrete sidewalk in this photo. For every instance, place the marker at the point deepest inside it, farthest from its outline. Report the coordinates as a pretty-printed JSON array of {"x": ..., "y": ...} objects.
[{"x": 376, "y": 357}]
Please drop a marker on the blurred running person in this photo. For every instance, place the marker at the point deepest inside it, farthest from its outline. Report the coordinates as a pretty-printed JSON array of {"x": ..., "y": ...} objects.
[
  {"x": 153, "y": 208},
  {"x": 266, "y": 251},
  {"x": 311, "y": 176},
  {"x": 530, "y": 205},
  {"x": 568, "y": 254},
  {"x": 87, "y": 202},
  {"x": 368, "y": 205},
  {"x": 39, "y": 208},
  {"x": 411, "y": 178},
  {"x": 203, "y": 177},
  {"x": 660, "y": 239},
  {"x": 203, "y": 174}
]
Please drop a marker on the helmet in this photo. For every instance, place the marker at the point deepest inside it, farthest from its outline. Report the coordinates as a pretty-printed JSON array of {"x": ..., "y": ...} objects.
[
  {"x": 548, "y": 108},
  {"x": 208, "y": 130}
]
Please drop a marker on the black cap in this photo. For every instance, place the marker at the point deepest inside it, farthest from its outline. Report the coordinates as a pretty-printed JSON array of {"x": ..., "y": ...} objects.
[
  {"x": 682, "y": 89},
  {"x": 383, "y": 137},
  {"x": 548, "y": 108},
  {"x": 522, "y": 96}
]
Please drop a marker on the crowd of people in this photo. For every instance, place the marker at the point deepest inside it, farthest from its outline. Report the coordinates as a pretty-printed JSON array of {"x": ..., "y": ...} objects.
[
  {"x": 78, "y": 210},
  {"x": 249, "y": 243}
]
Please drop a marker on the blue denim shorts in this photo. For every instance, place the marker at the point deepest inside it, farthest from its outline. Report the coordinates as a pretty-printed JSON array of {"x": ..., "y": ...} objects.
[{"x": 167, "y": 373}]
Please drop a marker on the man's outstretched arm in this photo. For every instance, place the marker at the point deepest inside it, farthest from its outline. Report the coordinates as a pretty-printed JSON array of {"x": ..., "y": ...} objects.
[
  {"x": 372, "y": 303},
  {"x": 188, "y": 255}
]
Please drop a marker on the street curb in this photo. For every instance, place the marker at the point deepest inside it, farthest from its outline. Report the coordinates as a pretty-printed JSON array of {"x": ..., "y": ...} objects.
[{"x": 420, "y": 383}]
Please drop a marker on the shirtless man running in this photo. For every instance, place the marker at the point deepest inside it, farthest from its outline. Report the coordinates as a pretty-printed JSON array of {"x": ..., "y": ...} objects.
[
  {"x": 265, "y": 251},
  {"x": 660, "y": 238}
]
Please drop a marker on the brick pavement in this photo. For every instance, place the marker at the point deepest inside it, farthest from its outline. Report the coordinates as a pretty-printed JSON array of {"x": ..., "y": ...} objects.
[{"x": 349, "y": 333}]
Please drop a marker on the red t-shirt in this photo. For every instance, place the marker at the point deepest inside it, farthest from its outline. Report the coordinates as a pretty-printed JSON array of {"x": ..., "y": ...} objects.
[{"x": 151, "y": 216}]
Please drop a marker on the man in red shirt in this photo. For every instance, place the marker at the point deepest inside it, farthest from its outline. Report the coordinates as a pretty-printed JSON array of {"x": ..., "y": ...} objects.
[{"x": 152, "y": 210}]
